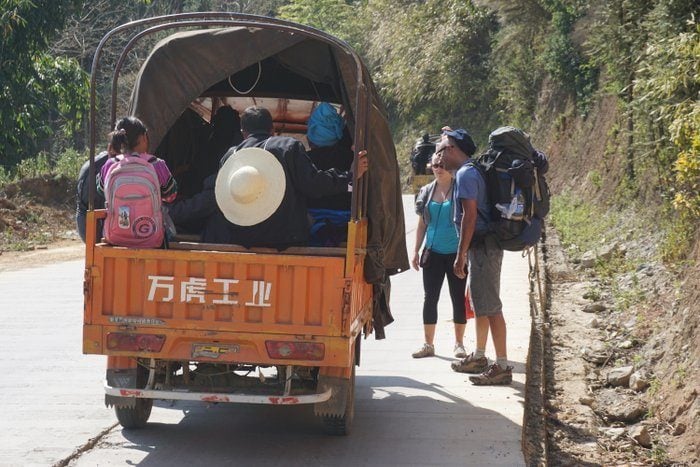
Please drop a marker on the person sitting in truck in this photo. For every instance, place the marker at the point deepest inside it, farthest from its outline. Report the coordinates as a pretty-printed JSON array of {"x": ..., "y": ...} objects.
[
  {"x": 130, "y": 136},
  {"x": 83, "y": 193},
  {"x": 288, "y": 225},
  {"x": 181, "y": 147},
  {"x": 330, "y": 148},
  {"x": 188, "y": 212},
  {"x": 225, "y": 133}
]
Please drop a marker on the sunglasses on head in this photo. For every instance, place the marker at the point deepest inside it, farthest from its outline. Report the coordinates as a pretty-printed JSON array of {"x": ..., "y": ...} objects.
[{"x": 447, "y": 146}]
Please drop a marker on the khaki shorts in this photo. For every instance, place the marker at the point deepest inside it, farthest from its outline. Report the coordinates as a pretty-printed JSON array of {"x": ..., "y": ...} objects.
[{"x": 484, "y": 280}]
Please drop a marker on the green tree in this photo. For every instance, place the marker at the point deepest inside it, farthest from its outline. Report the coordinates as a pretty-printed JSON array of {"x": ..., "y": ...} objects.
[
  {"x": 431, "y": 61},
  {"x": 669, "y": 81},
  {"x": 517, "y": 49},
  {"x": 336, "y": 17},
  {"x": 38, "y": 92}
]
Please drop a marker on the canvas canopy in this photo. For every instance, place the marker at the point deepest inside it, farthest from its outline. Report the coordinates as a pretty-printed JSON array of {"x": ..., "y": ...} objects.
[{"x": 187, "y": 65}]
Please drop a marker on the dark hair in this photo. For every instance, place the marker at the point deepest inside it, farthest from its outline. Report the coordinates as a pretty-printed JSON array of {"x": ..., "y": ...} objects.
[
  {"x": 227, "y": 119},
  {"x": 256, "y": 120},
  {"x": 126, "y": 134}
]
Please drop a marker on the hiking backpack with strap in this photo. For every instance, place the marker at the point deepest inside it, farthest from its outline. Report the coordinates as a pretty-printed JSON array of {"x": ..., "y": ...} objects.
[
  {"x": 133, "y": 202},
  {"x": 517, "y": 190}
]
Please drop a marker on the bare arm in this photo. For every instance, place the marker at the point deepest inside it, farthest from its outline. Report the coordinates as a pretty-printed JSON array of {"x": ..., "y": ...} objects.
[
  {"x": 420, "y": 234},
  {"x": 466, "y": 232}
]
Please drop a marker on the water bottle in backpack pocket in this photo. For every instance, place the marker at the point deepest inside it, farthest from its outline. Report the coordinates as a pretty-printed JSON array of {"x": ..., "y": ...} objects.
[
  {"x": 133, "y": 202},
  {"x": 515, "y": 210}
]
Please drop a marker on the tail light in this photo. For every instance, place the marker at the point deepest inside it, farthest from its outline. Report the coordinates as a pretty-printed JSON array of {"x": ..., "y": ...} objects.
[
  {"x": 135, "y": 342},
  {"x": 285, "y": 350}
]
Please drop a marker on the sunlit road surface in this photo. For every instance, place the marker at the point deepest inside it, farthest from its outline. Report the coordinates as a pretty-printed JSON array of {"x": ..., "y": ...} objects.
[{"x": 408, "y": 412}]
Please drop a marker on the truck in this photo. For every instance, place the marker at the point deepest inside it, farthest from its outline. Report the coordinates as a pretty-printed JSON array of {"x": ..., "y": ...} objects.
[{"x": 222, "y": 323}]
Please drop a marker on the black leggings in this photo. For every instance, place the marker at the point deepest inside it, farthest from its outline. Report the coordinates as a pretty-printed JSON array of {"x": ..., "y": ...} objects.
[{"x": 433, "y": 276}]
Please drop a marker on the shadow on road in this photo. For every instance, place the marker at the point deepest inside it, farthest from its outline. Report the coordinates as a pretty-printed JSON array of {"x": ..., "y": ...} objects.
[{"x": 398, "y": 420}]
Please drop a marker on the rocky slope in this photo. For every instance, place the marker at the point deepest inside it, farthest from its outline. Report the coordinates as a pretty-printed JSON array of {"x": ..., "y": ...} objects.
[{"x": 625, "y": 327}]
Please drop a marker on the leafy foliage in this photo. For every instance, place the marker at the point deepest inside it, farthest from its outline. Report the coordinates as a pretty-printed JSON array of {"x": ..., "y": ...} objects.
[
  {"x": 38, "y": 92},
  {"x": 432, "y": 62},
  {"x": 669, "y": 85},
  {"x": 332, "y": 16},
  {"x": 516, "y": 49}
]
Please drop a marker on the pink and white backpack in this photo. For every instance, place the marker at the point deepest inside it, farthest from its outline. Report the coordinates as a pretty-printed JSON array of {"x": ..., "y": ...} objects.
[{"x": 133, "y": 203}]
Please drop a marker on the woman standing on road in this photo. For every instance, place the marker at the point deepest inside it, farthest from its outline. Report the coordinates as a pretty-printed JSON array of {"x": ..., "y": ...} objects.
[{"x": 437, "y": 234}]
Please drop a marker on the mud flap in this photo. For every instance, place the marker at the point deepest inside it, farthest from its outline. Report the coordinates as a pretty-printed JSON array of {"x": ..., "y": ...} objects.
[
  {"x": 336, "y": 405},
  {"x": 121, "y": 378}
]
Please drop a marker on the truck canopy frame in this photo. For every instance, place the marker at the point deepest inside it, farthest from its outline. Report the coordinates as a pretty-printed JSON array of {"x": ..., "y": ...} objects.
[{"x": 220, "y": 48}]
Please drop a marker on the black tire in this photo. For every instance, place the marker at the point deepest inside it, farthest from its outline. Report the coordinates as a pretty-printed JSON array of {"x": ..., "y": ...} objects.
[
  {"x": 339, "y": 425},
  {"x": 137, "y": 417}
]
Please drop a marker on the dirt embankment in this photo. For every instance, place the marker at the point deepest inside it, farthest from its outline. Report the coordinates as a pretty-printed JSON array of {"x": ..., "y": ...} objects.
[
  {"x": 622, "y": 348},
  {"x": 622, "y": 381},
  {"x": 37, "y": 222}
]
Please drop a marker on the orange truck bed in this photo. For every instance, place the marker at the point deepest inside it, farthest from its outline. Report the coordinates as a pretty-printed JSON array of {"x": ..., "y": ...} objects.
[
  {"x": 224, "y": 306},
  {"x": 191, "y": 321}
]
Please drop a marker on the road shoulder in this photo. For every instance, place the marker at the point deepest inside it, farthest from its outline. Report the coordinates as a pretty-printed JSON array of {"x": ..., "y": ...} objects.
[{"x": 64, "y": 250}]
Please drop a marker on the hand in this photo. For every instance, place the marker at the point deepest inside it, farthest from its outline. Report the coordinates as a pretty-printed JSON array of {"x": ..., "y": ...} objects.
[
  {"x": 362, "y": 163},
  {"x": 459, "y": 267},
  {"x": 414, "y": 261},
  {"x": 445, "y": 128}
]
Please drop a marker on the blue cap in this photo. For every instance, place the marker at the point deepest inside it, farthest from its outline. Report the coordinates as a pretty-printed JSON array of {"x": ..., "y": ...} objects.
[
  {"x": 463, "y": 140},
  {"x": 325, "y": 126}
]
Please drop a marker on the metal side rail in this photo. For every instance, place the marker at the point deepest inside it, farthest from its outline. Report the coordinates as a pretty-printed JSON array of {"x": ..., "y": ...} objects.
[{"x": 271, "y": 399}]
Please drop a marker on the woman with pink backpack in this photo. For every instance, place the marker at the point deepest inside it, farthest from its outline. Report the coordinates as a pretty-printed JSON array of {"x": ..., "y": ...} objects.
[{"x": 135, "y": 184}]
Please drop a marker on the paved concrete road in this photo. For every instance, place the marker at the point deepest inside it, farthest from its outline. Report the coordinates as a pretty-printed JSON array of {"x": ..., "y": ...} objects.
[
  {"x": 408, "y": 412},
  {"x": 50, "y": 392}
]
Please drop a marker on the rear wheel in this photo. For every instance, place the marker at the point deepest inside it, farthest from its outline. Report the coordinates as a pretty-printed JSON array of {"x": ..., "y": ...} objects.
[
  {"x": 135, "y": 417},
  {"x": 339, "y": 425}
]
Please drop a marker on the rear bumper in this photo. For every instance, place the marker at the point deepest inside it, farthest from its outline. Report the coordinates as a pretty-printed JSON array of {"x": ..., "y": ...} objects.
[{"x": 269, "y": 399}]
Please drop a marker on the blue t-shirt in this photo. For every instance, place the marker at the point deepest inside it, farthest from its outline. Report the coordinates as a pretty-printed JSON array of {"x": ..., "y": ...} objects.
[
  {"x": 469, "y": 184},
  {"x": 441, "y": 235}
]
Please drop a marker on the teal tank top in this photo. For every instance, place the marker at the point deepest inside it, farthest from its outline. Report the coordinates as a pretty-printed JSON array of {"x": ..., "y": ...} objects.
[{"x": 441, "y": 235}]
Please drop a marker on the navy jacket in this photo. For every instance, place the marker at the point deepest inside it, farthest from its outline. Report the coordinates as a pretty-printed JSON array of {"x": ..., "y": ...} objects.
[
  {"x": 289, "y": 224},
  {"x": 337, "y": 157}
]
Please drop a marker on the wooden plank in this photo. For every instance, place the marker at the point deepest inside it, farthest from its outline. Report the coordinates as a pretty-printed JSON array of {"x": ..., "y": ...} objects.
[{"x": 296, "y": 250}]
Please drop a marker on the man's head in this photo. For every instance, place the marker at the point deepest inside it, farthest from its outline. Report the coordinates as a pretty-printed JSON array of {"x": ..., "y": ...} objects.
[
  {"x": 256, "y": 120},
  {"x": 463, "y": 140},
  {"x": 455, "y": 148}
]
